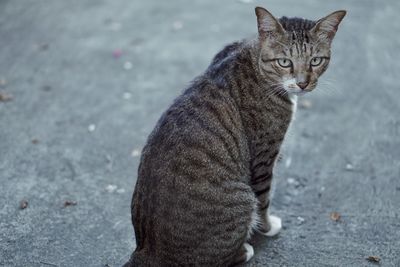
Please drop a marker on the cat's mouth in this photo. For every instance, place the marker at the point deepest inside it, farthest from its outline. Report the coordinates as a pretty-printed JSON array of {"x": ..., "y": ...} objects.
[
  {"x": 295, "y": 90},
  {"x": 291, "y": 87}
]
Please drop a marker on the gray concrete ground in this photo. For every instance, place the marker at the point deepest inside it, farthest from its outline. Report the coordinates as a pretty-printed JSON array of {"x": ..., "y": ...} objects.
[{"x": 89, "y": 79}]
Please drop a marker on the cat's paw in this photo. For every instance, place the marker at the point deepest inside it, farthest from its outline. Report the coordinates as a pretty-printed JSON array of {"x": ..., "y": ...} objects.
[
  {"x": 275, "y": 225},
  {"x": 249, "y": 251}
]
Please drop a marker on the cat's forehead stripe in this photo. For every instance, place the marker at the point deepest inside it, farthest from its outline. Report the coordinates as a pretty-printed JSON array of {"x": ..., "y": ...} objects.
[
  {"x": 298, "y": 31},
  {"x": 296, "y": 24}
]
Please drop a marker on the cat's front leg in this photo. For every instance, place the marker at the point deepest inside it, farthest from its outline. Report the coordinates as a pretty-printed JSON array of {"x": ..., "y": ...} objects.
[{"x": 268, "y": 225}]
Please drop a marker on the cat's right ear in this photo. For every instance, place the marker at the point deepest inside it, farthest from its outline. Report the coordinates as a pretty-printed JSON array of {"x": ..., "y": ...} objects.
[
  {"x": 268, "y": 25},
  {"x": 327, "y": 27}
]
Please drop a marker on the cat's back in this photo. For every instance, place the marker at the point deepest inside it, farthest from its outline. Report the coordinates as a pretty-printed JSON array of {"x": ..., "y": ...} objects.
[
  {"x": 203, "y": 122},
  {"x": 192, "y": 183},
  {"x": 202, "y": 129}
]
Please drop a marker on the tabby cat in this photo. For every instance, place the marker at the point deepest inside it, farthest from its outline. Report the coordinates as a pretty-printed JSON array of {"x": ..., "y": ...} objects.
[{"x": 205, "y": 173}]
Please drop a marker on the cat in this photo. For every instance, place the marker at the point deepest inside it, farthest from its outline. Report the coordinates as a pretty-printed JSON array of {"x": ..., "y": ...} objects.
[{"x": 205, "y": 173}]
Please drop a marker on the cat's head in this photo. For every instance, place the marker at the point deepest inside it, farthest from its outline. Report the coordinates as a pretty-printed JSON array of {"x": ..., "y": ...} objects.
[{"x": 295, "y": 52}]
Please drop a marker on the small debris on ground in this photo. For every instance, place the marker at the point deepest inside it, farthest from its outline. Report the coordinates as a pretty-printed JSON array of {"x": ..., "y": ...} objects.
[
  {"x": 373, "y": 258},
  {"x": 92, "y": 127},
  {"x": 120, "y": 190},
  {"x": 68, "y": 203},
  {"x": 177, "y": 25},
  {"x": 111, "y": 188},
  {"x": 23, "y": 204},
  {"x": 35, "y": 141},
  {"x": 127, "y": 95},
  {"x": 128, "y": 65},
  {"x": 135, "y": 153},
  {"x": 117, "y": 53},
  {"x": 349, "y": 167},
  {"x": 5, "y": 97},
  {"x": 300, "y": 219},
  {"x": 305, "y": 104},
  {"x": 3, "y": 82},
  {"x": 293, "y": 181},
  {"x": 335, "y": 216}
]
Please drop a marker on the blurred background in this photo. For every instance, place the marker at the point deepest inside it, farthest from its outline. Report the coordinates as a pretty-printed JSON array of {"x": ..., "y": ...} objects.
[{"x": 82, "y": 84}]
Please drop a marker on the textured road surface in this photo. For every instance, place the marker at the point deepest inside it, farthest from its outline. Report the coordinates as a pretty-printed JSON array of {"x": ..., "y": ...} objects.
[{"x": 89, "y": 79}]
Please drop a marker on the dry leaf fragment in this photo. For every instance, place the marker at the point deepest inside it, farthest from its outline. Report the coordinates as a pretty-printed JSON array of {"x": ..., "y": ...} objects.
[
  {"x": 70, "y": 203},
  {"x": 35, "y": 141},
  {"x": 5, "y": 97},
  {"x": 23, "y": 204},
  {"x": 373, "y": 259},
  {"x": 335, "y": 216}
]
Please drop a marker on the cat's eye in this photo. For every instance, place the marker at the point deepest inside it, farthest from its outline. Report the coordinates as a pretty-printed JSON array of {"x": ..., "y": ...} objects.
[
  {"x": 284, "y": 62},
  {"x": 316, "y": 61}
]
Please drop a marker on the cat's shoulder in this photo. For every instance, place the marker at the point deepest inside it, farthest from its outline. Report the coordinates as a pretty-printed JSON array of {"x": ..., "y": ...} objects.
[{"x": 227, "y": 51}]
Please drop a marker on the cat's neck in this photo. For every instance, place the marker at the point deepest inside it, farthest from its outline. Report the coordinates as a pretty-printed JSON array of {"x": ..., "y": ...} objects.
[
  {"x": 236, "y": 69},
  {"x": 260, "y": 91}
]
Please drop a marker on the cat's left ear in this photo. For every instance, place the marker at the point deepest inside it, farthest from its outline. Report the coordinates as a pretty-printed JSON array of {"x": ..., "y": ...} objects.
[{"x": 327, "y": 26}]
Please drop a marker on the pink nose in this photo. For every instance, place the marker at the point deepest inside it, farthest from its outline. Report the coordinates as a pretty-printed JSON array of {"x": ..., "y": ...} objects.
[{"x": 302, "y": 85}]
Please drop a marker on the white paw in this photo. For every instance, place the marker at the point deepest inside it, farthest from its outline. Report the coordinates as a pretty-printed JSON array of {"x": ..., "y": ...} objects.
[
  {"x": 276, "y": 225},
  {"x": 249, "y": 251}
]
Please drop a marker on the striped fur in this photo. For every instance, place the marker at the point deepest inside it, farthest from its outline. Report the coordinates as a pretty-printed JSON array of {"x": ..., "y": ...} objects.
[{"x": 206, "y": 170}]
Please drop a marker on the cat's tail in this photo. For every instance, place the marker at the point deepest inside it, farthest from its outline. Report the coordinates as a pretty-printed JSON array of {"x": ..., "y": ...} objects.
[{"x": 138, "y": 259}]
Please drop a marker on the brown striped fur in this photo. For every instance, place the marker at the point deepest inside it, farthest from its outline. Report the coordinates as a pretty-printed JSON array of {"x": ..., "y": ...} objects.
[{"x": 206, "y": 169}]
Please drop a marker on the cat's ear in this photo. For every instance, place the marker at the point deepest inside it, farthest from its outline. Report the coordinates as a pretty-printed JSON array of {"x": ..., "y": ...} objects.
[
  {"x": 268, "y": 25},
  {"x": 327, "y": 26}
]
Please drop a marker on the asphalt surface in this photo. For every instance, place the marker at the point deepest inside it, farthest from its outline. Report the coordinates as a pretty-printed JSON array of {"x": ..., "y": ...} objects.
[{"x": 89, "y": 79}]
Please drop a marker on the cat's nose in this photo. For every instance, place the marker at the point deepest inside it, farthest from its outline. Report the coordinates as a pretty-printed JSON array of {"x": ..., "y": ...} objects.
[{"x": 302, "y": 85}]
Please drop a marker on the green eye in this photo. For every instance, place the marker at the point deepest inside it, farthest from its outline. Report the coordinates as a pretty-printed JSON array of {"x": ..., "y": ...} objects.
[
  {"x": 284, "y": 62},
  {"x": 316, "y": 61}
]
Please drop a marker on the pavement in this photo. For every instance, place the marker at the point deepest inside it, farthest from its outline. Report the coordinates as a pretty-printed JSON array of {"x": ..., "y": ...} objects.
[{"x": 89, "y": 79}]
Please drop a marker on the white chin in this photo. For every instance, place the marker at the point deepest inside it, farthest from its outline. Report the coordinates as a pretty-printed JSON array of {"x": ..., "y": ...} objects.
[{"x": 297, "y": 92}]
